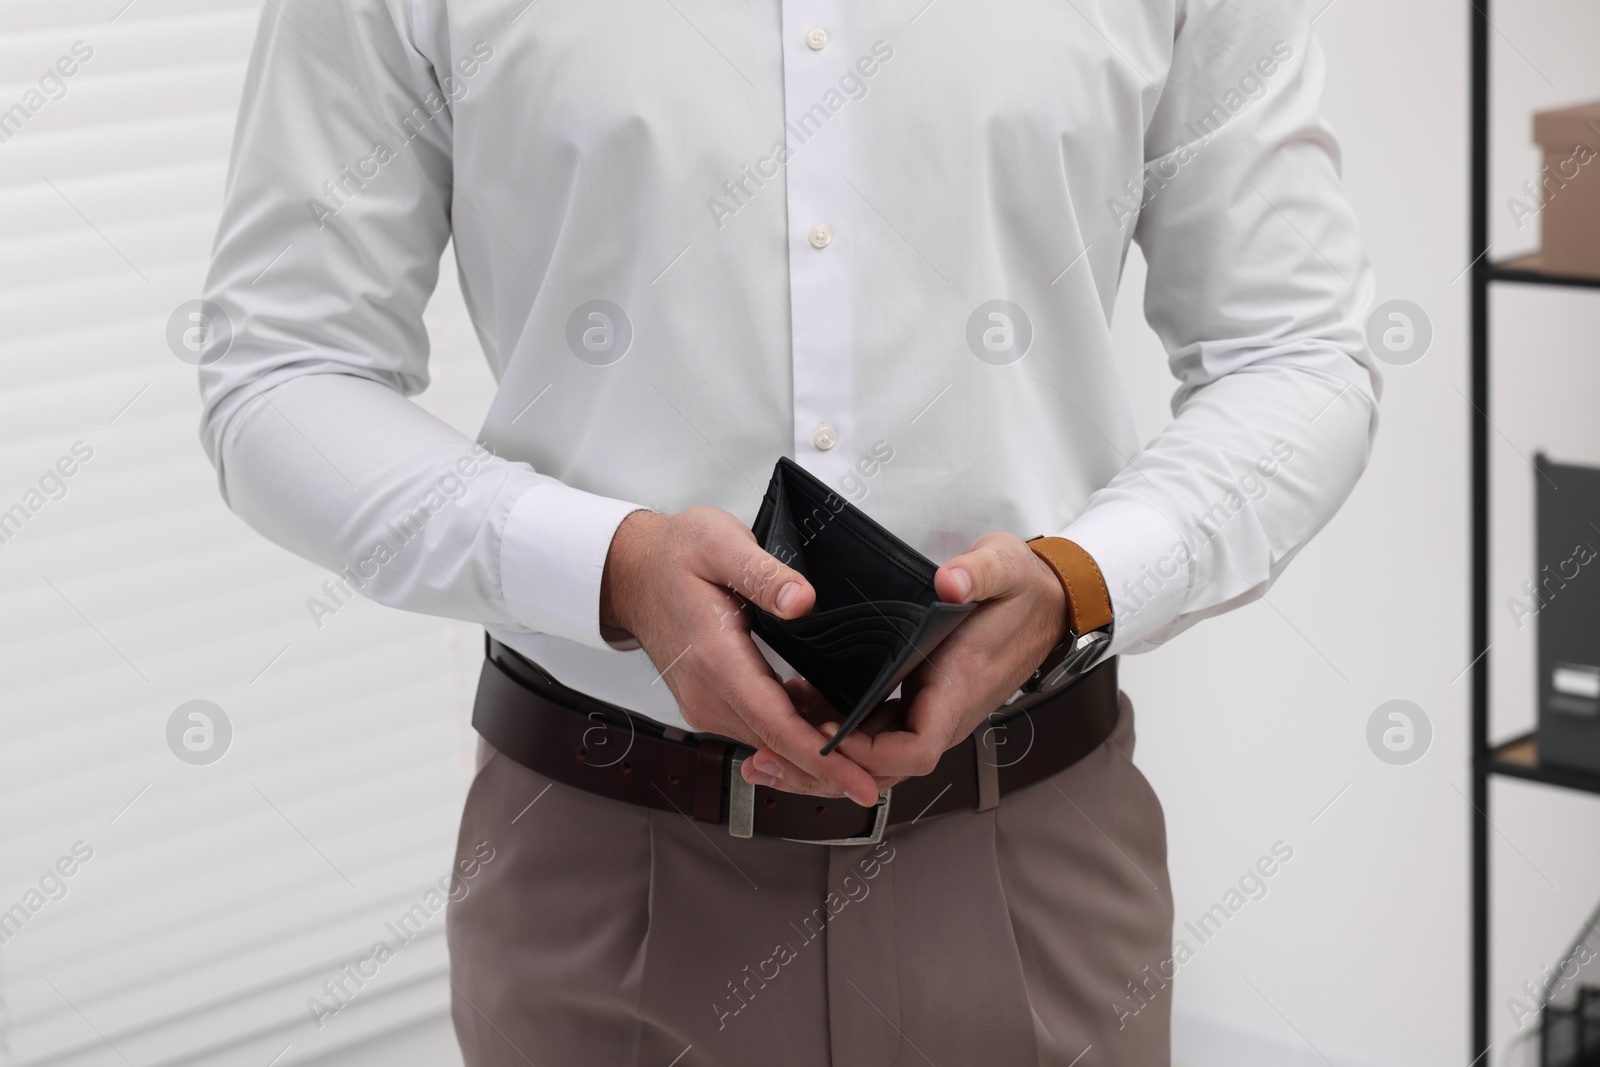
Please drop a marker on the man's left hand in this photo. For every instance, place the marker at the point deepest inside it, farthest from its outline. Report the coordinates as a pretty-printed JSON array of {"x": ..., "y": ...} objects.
[{"x": 1021, "y": 616}]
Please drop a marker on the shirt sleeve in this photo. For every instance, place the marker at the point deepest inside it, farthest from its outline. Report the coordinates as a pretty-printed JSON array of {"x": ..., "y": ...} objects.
[
  {"x": 336, "y": 213},
  {"x": 1258, "y": 287}
]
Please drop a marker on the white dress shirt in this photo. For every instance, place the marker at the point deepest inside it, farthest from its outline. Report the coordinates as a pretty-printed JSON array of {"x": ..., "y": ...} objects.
[{"x": 694, "y": 236}]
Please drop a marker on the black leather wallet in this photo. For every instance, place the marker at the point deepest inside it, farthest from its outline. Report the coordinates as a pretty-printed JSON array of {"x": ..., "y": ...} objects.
[{"x": 876, "y": 616}]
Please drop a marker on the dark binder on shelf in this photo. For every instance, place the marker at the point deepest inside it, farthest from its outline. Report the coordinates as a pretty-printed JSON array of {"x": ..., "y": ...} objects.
[{"x": 1565, "y": 596}]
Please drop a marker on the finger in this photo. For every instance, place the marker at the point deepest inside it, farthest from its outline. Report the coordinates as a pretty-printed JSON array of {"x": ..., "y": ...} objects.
[
  {"x": 896, "y": 754},
  {"x": 802, "y": 694},
  {"x": 914, "y": 751},
  {"x": 992, "y": 567},
  {"x": 884, "y": 783},
  {"x": 760, "y": 702},
  {"x": 903, "y": 754},
  {"x": 753, "y": 707},
  {"x": 765, "y": 767},
  {"x": 812, "y": 705},
  {"x": 803, "y": 784},
  {"x": 889, "y": 716}
]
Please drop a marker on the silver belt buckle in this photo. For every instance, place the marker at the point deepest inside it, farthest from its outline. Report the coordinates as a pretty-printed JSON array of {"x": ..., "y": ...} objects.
[
  {"x": 880, "y": 823},
  {"x": 742, "y": 808}
]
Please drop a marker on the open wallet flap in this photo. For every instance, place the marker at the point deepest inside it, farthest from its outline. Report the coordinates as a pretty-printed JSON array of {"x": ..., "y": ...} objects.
[{"x": 877, "y": 615}]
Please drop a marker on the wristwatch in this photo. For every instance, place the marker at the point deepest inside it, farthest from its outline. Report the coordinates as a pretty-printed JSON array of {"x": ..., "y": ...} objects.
[{"x": 1088, "y": 614}]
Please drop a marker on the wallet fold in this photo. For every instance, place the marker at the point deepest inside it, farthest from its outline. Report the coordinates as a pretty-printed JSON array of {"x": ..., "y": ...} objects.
[{"x": 877, "y": 615}]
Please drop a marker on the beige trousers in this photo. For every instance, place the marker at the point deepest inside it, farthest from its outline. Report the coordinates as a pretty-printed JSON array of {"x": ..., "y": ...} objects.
[{"x": 601, "y": 933}]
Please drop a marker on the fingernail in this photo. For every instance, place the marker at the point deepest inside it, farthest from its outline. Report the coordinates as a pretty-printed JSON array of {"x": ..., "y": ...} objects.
[
  {"x": 757, "y": 778},
  {"x": 963, "y": 581},
  {"x": 828, "y": 729},
  {"x": 866, "y": 800},
  {"x": 786, "y": 596},
  {"x": 768, "y": 768}
]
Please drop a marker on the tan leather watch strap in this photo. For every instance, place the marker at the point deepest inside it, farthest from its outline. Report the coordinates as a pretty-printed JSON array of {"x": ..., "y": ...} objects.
[{"x": 1088, "y": 601}]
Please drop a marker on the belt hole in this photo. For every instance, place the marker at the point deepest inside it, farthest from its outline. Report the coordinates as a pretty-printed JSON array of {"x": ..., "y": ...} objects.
[
  {"x": 627, "y": 768},
  {"x": 772, "y": 802},
  {"x": 672, "y": 779},
  {"x": 583, "y": 754},
  {"x": 822, "y": 809}
]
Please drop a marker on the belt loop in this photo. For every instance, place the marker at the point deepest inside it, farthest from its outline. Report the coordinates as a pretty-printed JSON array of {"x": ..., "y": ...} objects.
[
  {"x": 709, "y": 767},
  {"x": 988, "y": 766}
]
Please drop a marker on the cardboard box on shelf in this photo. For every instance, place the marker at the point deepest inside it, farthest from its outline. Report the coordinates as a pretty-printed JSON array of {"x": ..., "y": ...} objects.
[{"x": 1569, "y": 188}]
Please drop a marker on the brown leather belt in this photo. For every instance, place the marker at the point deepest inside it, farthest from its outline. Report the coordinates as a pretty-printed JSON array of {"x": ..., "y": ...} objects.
[{"x": 604, "y": 749}]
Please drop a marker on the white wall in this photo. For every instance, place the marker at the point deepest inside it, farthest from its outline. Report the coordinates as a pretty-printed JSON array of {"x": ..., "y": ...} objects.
[{"x": 1251, "y": 724}]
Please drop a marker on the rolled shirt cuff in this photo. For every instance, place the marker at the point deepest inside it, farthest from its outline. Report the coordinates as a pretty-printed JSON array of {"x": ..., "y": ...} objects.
[
  {"x": 1147, "y": 569},
  {"x": 552, "y": 557}
]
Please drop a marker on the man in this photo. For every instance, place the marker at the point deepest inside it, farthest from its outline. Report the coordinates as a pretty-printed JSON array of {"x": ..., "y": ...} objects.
[{"x": 883, "y": 240}]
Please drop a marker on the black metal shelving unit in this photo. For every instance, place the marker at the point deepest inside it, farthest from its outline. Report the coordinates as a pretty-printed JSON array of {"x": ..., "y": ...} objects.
[{"x": 1518, "y": 757}]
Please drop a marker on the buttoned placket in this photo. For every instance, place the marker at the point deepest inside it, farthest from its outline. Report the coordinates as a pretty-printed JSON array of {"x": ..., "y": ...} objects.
[{"x": 816, "y": 52}]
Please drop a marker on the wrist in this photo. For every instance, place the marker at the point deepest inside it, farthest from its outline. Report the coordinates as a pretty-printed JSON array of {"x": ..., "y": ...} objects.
[
  {"x": 1053, "y": 596},
  {"x": 1086, "y": 620},
  {"x": 626, "y": 559}
]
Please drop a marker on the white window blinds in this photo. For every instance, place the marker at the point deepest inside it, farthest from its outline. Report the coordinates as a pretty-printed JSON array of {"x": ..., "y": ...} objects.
[{"x": 155, "y": 911}]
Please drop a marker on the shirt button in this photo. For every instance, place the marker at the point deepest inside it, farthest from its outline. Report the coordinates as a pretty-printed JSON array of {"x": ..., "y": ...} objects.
[
  {"x": 820, "y": 236},
  {"x": 825, "y": 437},
  {"x": 817, "y": 38}
]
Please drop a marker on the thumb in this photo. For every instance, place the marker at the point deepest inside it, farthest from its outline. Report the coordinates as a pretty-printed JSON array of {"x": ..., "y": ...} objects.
[
  {"x": 761, "y": 579},
  {"x": 990, "y": 568}
]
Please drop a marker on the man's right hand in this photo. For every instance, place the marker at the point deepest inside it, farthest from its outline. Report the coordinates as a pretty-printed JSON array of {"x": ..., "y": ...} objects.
[{"x": 670, "y": 581}]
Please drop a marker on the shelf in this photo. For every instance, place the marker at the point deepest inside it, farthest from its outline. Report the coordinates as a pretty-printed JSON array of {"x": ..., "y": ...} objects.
[
  {"x": 1525, "y": 270},
  {"x": 1519, "y": 758}
]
